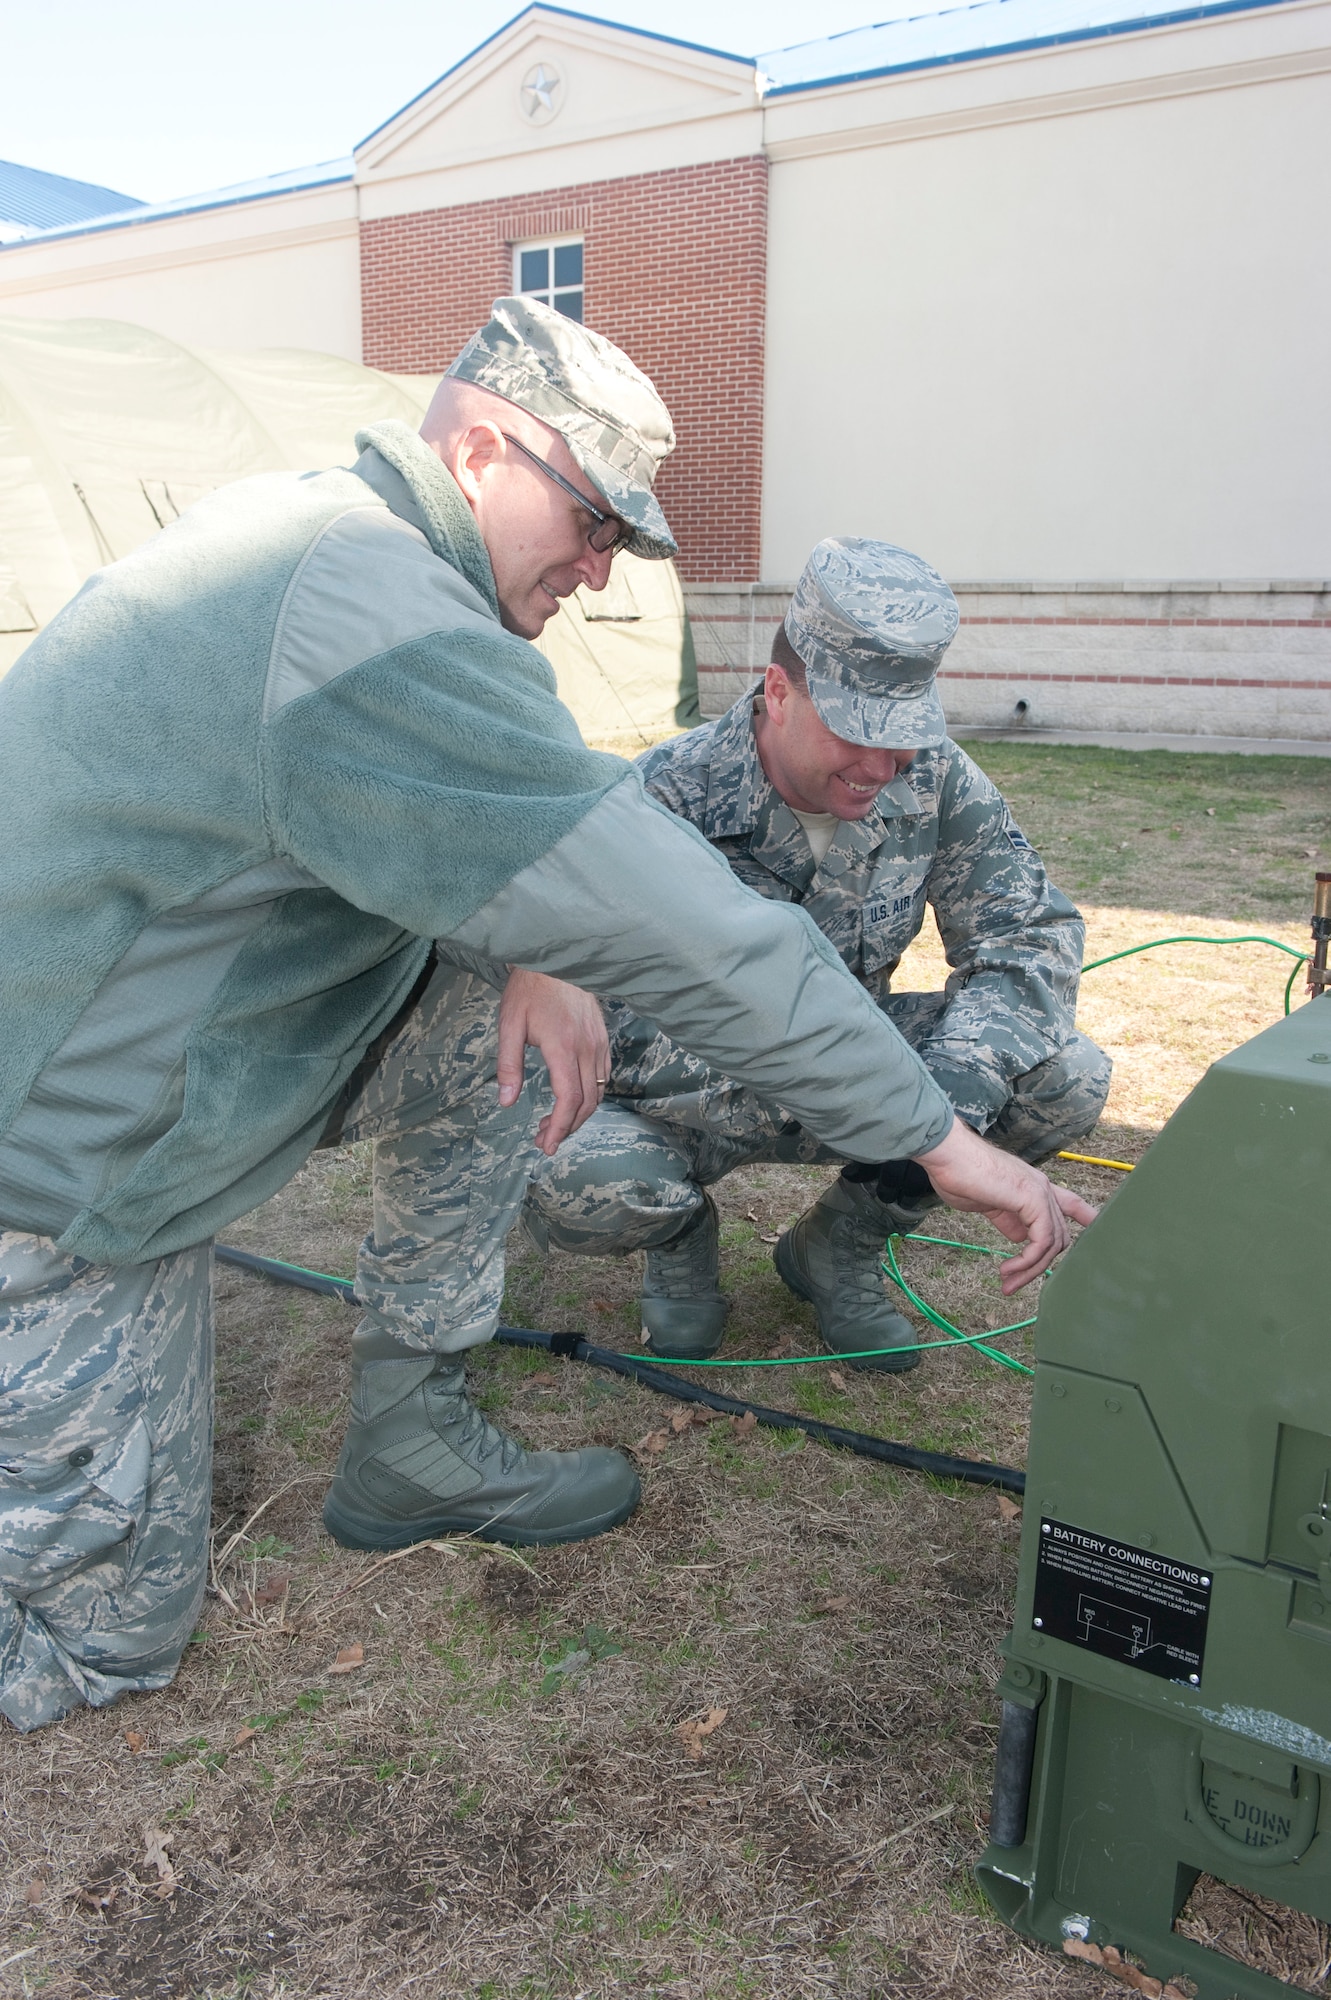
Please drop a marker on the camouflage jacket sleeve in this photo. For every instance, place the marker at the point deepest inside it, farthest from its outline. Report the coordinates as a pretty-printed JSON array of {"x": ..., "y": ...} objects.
[{"x": 1013, "y": 941}]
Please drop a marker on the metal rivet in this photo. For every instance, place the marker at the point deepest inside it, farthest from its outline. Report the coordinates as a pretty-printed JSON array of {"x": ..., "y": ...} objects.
[
  {"x": 1037, "y": 1622},
  {"x": 83, "y": 1456},
  {"x": 1319, "y": 1058},
  {"x": 1019, "y": 1674},
  {"x": 1057, "y": 1389},
  {"x": 1113, "y": 1405},
  {"x": 1317, "y": 1608}
]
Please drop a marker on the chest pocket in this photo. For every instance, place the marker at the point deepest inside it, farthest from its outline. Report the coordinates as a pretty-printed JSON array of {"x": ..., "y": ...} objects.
[{"x": 890, "y": 919}]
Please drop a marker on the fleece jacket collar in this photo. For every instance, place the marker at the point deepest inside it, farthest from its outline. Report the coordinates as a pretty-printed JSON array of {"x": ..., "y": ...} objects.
[{"x": 442, "y": 514}]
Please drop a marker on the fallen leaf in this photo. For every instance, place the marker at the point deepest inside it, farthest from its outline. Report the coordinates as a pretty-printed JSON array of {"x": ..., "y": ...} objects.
[
  {"x": 741, "y": 1426},
  {"x": 694, "y": 1733},
  {"x": 137, "y": 1743},
  {"x": 34, "y": 1892},
  {"x": 275, "y": 1588},
  {"x": 1210, "y": 812},
  {"x": 838, "y": 1381},
  {"x": 155, "y": 1845},
  {"x": 603, "y": 1305},
  {"x": 1111, "y": 1960},
  {"x": 749, "y": 1215},
  {"x": 348, "y": 1659},
  {"x": 775, "y": 1237},
  {"x": 684, "y": 1420},
  {"x": 242, "y": 1736},
  {"x": 542, "y": 1379},
  {"x": 651, "y": 1445},
  {"x": 1008, "y": 1509},
  {"x": 826, "y": 1605},
  {"x": 1310, "y": 854}
]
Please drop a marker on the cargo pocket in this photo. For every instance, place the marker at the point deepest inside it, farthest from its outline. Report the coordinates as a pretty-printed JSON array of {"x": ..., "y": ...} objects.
[{"x": 75, "y": 1465}]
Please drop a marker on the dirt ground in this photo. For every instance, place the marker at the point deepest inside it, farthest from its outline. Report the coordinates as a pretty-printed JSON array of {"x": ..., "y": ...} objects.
[{"x": 740, "y": 1747}]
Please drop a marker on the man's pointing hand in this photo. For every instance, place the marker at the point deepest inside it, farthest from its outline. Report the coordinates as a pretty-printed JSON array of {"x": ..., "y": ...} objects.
[{"x": 971, "y": 1175}]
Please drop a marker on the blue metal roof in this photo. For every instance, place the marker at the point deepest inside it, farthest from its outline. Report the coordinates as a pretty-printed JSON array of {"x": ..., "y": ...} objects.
[
  {"x": 966, "y": 34},
  {"x": 30, "y": 199},
  {"x": 325, "y": 174}
]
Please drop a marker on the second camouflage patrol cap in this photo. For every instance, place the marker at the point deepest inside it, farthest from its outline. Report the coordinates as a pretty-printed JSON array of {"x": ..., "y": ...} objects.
[
  {"x": 587, "y": 389},
  {"x": 871, "y": 623}
]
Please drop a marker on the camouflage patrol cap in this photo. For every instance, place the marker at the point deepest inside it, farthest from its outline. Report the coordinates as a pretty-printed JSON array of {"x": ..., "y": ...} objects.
[
  {"x": 871, "y": 623},
  {"x": 605, "y": 409}
]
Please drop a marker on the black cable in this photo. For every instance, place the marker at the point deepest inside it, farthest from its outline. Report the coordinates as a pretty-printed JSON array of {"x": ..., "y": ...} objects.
[{"x": 941, "y": 1465}]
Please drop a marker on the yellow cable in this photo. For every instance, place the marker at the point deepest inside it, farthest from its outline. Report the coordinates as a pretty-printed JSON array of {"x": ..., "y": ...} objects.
[{"x": 1089, "y": 1160}]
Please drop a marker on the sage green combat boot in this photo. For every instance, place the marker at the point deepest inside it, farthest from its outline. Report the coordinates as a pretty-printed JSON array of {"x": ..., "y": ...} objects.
[
  {"x": 419, "y": 1459},
  {"x": 682, "y": 1307},
  {"x": 833, "y": 1258}
]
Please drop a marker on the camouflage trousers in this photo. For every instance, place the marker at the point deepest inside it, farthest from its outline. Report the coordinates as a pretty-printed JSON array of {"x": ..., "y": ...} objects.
[
  {"x": 105, "y": 1444},
  {"x": 633, "y": 1176},
  {"x": 106, "y": 1373}
]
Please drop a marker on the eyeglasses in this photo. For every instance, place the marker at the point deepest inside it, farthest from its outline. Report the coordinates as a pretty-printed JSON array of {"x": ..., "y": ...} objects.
[{"x": 607, "y": 532}]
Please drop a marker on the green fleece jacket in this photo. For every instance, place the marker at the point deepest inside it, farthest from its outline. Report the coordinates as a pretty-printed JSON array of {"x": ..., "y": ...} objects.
[{"x": 249, "y": 773}]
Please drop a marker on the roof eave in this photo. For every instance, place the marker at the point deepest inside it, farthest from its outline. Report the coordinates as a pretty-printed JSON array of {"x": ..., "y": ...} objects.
[{"x": 1138, "y": 24}]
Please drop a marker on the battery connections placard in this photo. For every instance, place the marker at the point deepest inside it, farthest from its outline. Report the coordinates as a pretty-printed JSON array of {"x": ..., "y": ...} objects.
[{"x": 1135, "y": 1605}]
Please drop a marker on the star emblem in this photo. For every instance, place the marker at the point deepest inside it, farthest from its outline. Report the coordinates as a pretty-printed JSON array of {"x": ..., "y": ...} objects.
[{"x": 539, "y": 89}]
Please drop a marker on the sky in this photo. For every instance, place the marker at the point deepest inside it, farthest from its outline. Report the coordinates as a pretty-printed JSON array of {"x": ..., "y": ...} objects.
[{"x": 159, "y": 98}]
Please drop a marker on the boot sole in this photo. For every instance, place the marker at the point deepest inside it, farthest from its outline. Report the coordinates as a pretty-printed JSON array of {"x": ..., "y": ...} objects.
[
  {"x": 355, "y": 1531},
  {"x": 885, "y": 1364}
]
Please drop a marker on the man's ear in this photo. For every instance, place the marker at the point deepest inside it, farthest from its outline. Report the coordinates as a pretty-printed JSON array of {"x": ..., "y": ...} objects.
[
  {"x": 776, "y": 693},
  {"x": 475, "y": 453}
]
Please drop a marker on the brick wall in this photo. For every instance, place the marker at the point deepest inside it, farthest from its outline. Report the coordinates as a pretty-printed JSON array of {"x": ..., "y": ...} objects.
[{"x": 675, "y": 274}]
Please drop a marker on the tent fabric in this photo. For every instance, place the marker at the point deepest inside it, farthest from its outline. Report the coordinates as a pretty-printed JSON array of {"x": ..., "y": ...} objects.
[
  {"x": 624, "y": 659},
  {"x": 108, "y": 431}
]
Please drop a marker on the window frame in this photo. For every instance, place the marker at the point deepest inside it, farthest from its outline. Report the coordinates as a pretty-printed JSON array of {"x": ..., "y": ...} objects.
[{"x": 549, "y": 292}]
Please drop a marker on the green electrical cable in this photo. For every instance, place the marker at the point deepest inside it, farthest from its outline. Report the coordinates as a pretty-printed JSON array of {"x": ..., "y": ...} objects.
[
  {"x": 1301, "y": 957},
  {"x": 975, "y": 1340}
]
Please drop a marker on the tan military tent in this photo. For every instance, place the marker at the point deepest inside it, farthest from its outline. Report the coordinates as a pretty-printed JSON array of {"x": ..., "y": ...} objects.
[{"x": 109, "y": 431}]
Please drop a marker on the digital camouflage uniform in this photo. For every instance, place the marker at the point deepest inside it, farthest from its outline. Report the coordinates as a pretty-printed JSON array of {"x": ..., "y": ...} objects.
[{"x": 999, "y": 1039}]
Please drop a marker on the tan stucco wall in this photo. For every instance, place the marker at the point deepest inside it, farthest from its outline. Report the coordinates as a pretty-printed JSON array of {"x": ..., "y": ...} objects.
[
  {"x": 1062, "y": 315},
  {"x": 280, "y": 272}
]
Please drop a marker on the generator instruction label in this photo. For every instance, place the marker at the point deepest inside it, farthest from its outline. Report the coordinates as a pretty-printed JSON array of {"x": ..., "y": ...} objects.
[{"x": 1135, "y": 1605}]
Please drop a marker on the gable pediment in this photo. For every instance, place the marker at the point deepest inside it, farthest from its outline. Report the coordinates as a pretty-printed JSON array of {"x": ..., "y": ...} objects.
[{"x": 551, "y": 78}]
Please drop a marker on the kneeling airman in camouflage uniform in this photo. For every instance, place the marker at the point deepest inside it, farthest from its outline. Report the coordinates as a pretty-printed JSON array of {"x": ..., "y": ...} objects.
[{"x": 835, "y": 787}]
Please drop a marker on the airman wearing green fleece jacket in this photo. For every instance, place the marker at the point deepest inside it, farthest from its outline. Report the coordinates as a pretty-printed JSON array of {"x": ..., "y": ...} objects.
[{"x": 287, "y": 798}]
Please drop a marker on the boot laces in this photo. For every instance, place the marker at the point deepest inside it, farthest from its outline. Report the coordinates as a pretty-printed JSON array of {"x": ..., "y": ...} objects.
[
  {"x": 860, "y": 1248},
  {"x": 475, "y": 1437},
  {"x": 685, "y": 1264}
]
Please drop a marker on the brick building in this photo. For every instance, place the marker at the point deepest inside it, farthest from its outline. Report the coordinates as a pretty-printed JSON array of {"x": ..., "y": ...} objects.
[{"x": 1027, "y": 286}]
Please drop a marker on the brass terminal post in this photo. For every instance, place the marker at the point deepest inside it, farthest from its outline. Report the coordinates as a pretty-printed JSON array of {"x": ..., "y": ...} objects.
[{"x": 1318, "y": 977}]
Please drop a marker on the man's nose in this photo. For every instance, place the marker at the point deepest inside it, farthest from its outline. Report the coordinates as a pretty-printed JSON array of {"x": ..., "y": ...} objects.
[
  {"x": 593, "y": 567},
  {"x": 879, "y": 767}
]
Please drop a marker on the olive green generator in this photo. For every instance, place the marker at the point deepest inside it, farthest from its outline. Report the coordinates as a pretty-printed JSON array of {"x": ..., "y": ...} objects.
[{"x": 1167, "y": 1687}]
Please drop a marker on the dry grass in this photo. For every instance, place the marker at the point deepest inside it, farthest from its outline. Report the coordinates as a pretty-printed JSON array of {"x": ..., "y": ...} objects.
[{"x": 451, "y": 1816}]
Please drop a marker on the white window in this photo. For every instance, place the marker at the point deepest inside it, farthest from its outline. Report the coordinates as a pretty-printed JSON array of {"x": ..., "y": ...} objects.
[{"x": 551, "y": 271}]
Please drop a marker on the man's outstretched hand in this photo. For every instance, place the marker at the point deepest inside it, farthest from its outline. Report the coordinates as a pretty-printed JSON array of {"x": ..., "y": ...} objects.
[
  {"x": 1028, "y": 1209},
  {"x": 566, "y": 1025}
]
